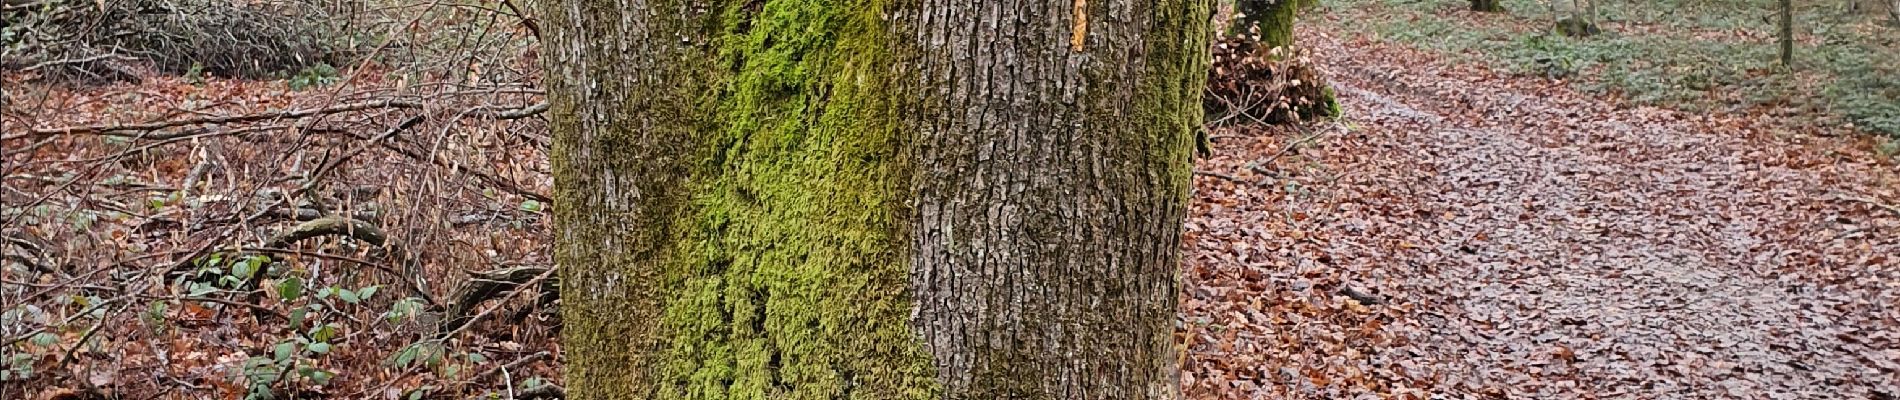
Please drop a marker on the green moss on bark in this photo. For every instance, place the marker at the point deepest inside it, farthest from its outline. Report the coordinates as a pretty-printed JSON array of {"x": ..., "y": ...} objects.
[
  {"x": 790, "y": 283},
  {"x": 762, "y": 255},
  {"x": 1271, "y": 20},
  {"x": 1179, "y": 65}
]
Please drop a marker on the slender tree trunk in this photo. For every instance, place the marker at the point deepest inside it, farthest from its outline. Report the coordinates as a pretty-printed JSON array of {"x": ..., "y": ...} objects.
[
  {"x": 1487, "y": 5},
  {"x": 1271, "y": 20},
  {"x": 1787, "y": 33},
  {"x": 872, "y": 199},
  {"x": 1887, "y": 10},
  {"x": 1591, "y": 7},
  {"x": 1575, "y": 18},
  {"x": 1556, "y": 16}
]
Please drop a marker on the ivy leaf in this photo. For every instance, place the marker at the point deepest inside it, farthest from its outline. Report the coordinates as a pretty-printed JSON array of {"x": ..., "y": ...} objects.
[
  {"x": 318, "y": 376},
  {"x": 297, "y": 317},
  {"x": 245, "y": 269},
  {"x": 290, "y": 288},
  {"x": 402, "y": 310},
  {"x": 324, "y": 333},
  {"x": 45, "y": 339},
  {"x": 261, "y": 371},
  {"x": 199, "y": 289},
  {"x": 403, "y": 357},
  {"x": 284, "y": 350}
]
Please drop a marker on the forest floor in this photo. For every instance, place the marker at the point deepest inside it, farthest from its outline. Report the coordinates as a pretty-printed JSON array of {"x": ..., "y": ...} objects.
[{"x": 1466, "y": 233}]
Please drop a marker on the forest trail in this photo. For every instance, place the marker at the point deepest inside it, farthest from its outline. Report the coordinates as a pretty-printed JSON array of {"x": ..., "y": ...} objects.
[{"x": 1523, "y": 240}]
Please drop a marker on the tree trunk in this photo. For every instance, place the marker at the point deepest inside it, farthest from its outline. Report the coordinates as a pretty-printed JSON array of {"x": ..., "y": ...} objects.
[
  {"x": 1487, "y": 5},
  {"x": 1787, "y": 33},
  {"x": 872, "y": 199},
  {"x": 1271, "y": 20},
  {"x": 1575, "y": 18},
  {"x": 1886, "y": 10}
]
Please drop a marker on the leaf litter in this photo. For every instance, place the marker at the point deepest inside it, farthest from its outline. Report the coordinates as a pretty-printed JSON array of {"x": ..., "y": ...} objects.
[{"x": 1463, "y": 233}]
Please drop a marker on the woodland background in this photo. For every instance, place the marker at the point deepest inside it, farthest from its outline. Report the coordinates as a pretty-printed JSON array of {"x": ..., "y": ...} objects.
[{"x": 348, "y": 199}]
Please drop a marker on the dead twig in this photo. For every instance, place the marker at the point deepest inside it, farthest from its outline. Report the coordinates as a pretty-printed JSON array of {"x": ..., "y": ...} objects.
[
  {"x": 512, "y": 365},
  {"x": 141, "y": 131},
  {"x": 1302, "y": 141},
  {"x": 547, "y": 391},
  {"x": 1229, "y": 178},
  {"x": 453, "y": 324},
  {"x": 94, "y": 330},
  {"x": 513, "y": 113},
  {"x": 526, "y": 20},
  {"x": 329, "y": 226},
  {"x": 1870, "y": 201},
  {"x": 1361, "y": 297},
  {"x": 317, "y": 176},
  {"x": 55, "y": 63},
  {"x": 486, "y": 178}
]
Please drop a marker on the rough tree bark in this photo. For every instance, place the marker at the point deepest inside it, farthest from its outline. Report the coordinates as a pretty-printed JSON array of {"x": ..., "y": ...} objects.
[{"x": 872, "y": 199}]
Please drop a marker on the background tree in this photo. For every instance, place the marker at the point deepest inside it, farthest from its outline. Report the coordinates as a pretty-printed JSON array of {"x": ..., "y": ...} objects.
[
  {"x": 1786, "y": 26},
  {"x": 1487, "y": 5},
  {"x": 1260, "y": 75},
  {"x": 1888, "y": 9},
  {"x": 1575, "y": 17},
  {"x": 872, "y": 199},
  {"x": 1271, "y": 20}
]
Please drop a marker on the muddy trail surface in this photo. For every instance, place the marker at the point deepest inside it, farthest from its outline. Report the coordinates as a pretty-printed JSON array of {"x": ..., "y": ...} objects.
[{"x": 1463, "y": 233}]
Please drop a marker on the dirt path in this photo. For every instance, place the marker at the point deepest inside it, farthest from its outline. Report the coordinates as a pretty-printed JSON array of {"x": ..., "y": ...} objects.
[{"x": 1528, "y": 241}]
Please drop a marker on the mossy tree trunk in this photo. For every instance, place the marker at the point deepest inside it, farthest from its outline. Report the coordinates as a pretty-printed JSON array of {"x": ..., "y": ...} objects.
[
  {"x": 871, "y": 199},
  {"x": 1487, "y": 5},
  {"x": 1271, "y": 20}
]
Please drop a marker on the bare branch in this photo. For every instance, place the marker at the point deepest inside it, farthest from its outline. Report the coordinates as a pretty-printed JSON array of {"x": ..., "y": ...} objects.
[
  {"x": 510, "y": 113},
  {"x": 331, "y": 226},
  {"x": 139, "y": 130}
]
